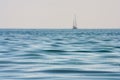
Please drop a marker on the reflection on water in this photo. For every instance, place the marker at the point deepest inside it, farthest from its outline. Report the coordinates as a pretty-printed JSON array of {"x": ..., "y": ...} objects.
[{"x": 60, "y": 54}]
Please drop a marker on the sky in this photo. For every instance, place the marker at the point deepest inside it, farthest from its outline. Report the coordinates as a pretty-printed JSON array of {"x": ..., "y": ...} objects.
[{"x": 59, "y": 13}]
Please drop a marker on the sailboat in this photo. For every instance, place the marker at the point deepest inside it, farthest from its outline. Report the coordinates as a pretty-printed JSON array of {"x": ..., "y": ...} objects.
[{"x": 74, "y": 23}]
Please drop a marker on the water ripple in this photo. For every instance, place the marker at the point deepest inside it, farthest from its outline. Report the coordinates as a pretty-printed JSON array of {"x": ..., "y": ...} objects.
[{"x": 73, "y": 71}]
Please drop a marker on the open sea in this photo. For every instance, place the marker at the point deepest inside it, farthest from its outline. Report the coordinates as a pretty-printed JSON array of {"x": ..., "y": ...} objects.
[{"x": 59, "y": 54}]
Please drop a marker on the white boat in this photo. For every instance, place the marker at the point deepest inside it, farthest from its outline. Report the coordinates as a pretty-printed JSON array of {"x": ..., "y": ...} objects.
[{"x": 74, "y": 23}]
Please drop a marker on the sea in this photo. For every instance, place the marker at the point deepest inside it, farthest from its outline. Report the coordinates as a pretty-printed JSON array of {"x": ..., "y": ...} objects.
[{"x": 59, "y": 54}]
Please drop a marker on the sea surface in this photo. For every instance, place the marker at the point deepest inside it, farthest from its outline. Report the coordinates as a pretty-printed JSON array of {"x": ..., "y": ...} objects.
[{"x": 59, "y": 54}]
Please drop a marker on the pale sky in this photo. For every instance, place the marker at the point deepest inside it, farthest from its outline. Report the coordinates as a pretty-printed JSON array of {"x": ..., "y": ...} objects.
[{"x": 59, "y": 13}]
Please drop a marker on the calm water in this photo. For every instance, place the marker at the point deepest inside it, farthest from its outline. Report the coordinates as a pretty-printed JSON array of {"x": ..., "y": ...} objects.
[{"x": 59, "y": 54}]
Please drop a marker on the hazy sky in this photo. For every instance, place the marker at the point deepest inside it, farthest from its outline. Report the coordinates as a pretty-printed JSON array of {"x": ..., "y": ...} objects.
[{"x": 59, "y": 13}]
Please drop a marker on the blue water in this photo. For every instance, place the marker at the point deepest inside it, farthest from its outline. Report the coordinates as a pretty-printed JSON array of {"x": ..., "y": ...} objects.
[{"x": 59, "y": 54}]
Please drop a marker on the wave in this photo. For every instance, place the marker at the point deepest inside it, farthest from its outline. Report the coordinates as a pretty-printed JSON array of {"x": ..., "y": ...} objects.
[
  {"x": 83, "y": 51},
  {"x": 54, "y": 51},
  {"x": 74, "y": 71}
]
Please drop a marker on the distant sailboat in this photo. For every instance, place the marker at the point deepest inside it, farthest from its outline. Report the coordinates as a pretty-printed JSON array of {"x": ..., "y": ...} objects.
[{"x": 74, "y": 23}]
